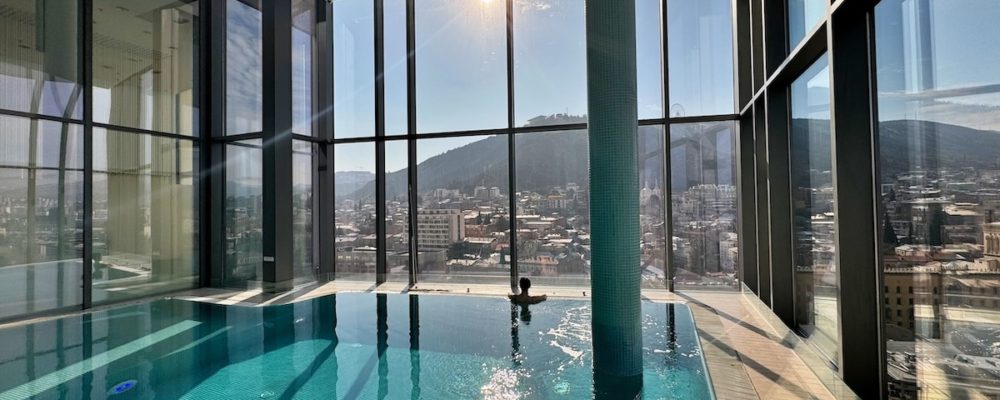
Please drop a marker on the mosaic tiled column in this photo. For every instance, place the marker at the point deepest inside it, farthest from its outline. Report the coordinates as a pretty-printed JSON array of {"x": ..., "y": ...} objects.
[{"x": 614, "y": 190}]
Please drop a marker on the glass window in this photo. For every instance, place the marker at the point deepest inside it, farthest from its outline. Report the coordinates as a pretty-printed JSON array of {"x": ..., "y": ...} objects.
[
  {"x": 649, "y": 57},
  {"x": 354, "y": 166},
  {"x": 244, "y": 68},
  {"x": 803, "y": 15},
  {"x": 811, "y": 170},
  {"x": 652, "y": 205},
  {"x": 302, "y": 63},
  {"x": 144, "y": 64},
  {"x": 703, "y": 204},
  {"x": 461, "y": 61},
  {"x": 354, "y": 68},
  {"x": 397, "y": 209},
  {"x": 700, "y": 44},
  {"x": 553, "y": 208},
  {"x": 41, "y": 215},
  {"x": 38, "y": 64},
  {"x": 302, "y": 211},
  {"x": 145, "y": 215},
  {"x": 939, "y": 146},
  {"x": 550, "y": 63},
  {"x": 244, "y": 214},
  {"x": 395, "y": 74},
  {"x": 463, "y": 226}
]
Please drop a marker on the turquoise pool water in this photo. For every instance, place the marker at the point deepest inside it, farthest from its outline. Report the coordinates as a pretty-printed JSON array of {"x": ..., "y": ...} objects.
[{"x": 349, "y": 346}]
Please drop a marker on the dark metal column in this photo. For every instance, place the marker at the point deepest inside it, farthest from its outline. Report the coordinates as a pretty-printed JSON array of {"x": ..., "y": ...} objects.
[
  {"x": 411, "y": 131},
  {"x": 747, "y": 189},
  {"x": 668, "y": 185},
  {"x": 380, "y": 211},
  {"x": 212, "y": 124},
  {"x": 855, "y": 155},
  {"x": 780, "y": 199},
  {"x": 775, "y": 27},
  {"x": 277, "y": 143},
  {"x": 614, "y": 179},
  {"x": 742, "y": 50},
  {"x": 86, "y": 73},
  {"x": 511, "y": 154},
  {"x": 326, "y": 202},
  {"x": 763, "y": 223}
]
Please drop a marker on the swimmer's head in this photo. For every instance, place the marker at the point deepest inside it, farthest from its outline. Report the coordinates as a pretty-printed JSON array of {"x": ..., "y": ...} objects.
[{"x": 525, "y": 284}]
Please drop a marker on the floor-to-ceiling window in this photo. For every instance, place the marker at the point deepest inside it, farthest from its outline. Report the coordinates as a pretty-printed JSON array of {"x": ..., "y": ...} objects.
[
  {"x": 397, "y": 211},
  {"x": 41, "y": 210},
  {"x": 303, "y": 207},
  {"x": 354, "y": 68},
  {"x": 462, "y": 224},
  {"x": 814, "y": 258},
  {"x": 553, "y": 206},
  {"x": 501, "y": 177},
  {"x": 41, "y": 161},
  {"x": 702, "y": 181},
  {"x": 120, "y": 180},
  {"x": 354, "y": 172},
  {"x": 803, "y": 17},
  {"x": 461, "y": 65},
  {"x": 939, "y": 138},
  {"x": 145, "y": 187},
  {"x": 703, "y": 204},
  {"x": 652, "y": 207},
  {"x": 244, "y": 69},
  {"x": 243, "y": 214}
]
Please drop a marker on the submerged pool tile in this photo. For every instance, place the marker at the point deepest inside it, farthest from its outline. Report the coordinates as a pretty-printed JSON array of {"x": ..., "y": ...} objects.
[{"x": 351, "y": 346}]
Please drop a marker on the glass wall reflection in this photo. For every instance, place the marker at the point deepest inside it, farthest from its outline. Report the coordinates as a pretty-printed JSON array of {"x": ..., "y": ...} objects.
[
  {"x": 145, "y": 215},
  {"x": 652, "y": 207},
  {"x": 144, "y": 64},
  {"x": 244, "y": 214},
  {"x": 815, "y": 251},
  {"x": 703, "y": 205},
  {"x": 700, "y": 42},
  {"x": 303, "y": 23},
  {"x": 803, "y": 16},
  {"x": 939, "y": 138},
  {"x": 41, "y": 215},
  {"x": 38, "y": 67},
  {"x": 244, "y": 67},
  {"x": 303, "y": 208}
]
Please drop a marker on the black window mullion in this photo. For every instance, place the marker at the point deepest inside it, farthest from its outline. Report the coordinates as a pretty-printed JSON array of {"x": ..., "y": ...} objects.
[
  {"x": 380, "y": 209},
  {"x": 86, "y": 72}
]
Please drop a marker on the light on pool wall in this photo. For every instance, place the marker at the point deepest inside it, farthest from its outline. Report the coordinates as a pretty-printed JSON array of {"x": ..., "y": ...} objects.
[{"x": 614, "y": 179}]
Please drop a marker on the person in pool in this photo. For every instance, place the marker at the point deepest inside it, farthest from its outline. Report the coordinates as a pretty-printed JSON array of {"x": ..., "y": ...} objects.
[{"x": 524, "y": 298}]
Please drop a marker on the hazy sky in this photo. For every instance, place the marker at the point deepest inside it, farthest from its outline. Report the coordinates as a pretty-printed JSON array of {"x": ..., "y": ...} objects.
[{"x": 461, "y": 65}]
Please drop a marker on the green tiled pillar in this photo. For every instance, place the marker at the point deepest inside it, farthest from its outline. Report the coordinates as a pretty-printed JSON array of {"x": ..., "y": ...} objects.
[{"x": 614, "y": 190}]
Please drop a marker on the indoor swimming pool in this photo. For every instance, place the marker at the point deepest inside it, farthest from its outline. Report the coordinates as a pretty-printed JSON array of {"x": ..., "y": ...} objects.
[{"x": 348, "y": 346}]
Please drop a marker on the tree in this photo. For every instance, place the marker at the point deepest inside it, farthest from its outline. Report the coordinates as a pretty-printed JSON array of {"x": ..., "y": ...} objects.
[
  {"x": 888, "y": 234},
  {"x": 458, "y": 250},
  {"x": 936, "y": 224},
  {"x": 501, "y": 224}
]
